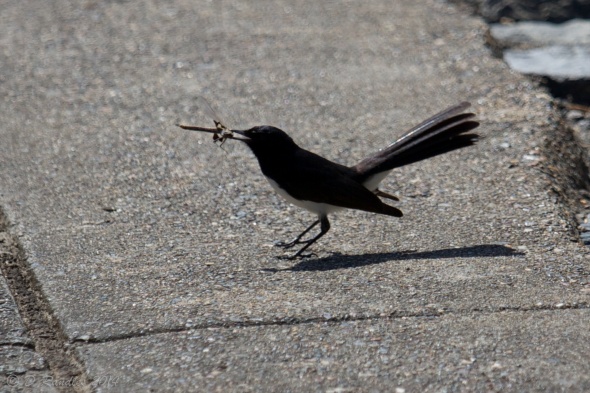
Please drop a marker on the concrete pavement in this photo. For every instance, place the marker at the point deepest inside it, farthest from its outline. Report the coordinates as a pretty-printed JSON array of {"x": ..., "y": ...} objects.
[{"x": 146, "y": 252}]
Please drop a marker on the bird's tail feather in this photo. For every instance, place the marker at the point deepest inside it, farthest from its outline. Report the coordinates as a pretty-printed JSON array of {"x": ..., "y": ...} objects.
[{"x": 444, "y": 132}]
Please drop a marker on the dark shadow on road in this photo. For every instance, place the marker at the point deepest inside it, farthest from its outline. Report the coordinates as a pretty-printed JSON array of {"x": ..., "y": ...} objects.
[{"x": 339, "y": 261}]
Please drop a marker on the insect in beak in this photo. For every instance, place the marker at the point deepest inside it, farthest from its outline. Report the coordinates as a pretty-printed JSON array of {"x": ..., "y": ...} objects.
[{"x": 221, "y": 132}]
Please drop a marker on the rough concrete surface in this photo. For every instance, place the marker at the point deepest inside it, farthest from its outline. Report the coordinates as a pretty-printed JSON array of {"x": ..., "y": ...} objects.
[
  {"x": 12, "y": 329},
  {"x": 17, "y": 360},
  {"x": 148, "y": 241},
  {"x": 478, "y": 353},
  {"x": 21, "y": 367}
]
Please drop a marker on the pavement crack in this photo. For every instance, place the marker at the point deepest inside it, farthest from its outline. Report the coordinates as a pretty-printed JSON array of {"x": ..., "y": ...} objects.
[
  {"x": 16, "y": 345},
  {"x": 332, "y": 320},
  {"x": 45, "y": 330}
]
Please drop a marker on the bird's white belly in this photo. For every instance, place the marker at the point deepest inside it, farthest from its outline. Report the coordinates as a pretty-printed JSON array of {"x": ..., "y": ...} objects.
[{"x": 320, "y": 209}]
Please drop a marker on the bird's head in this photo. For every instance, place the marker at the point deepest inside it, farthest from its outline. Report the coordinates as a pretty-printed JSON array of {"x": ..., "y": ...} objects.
[{"x": 265, "y": 137}]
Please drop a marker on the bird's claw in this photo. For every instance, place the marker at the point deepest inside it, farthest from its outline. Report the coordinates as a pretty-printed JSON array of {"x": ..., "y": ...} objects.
[
  {"x": 285, "y": 245},
  {"x": 297, "y": 256}
]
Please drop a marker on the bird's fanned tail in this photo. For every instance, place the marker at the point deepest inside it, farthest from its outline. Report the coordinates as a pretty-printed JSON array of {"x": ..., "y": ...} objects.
[{"x": 443, "y": 132}]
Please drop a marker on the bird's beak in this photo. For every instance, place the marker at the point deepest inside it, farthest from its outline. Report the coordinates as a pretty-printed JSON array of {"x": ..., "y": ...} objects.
[{"x": 242, "y": 138}]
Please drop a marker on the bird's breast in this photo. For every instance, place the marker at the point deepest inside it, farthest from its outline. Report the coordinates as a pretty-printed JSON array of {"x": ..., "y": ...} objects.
[{"x": 321, "y": 209}]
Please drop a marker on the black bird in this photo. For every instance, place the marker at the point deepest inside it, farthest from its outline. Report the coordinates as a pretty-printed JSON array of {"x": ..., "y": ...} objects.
[{"x": 322, "y": 186}]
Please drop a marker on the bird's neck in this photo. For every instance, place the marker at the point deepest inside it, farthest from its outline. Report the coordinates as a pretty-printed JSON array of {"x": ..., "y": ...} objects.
[
  {"x": 274, "y": 159},
  {"x": 268, "y": 153}
]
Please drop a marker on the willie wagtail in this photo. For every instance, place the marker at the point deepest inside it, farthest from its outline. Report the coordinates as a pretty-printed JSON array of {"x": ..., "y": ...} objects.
[{"x": 321, "y": 186}]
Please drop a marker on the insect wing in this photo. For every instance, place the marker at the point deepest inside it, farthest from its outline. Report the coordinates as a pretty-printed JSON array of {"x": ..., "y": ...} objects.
[{"x": 206, "y": 108}]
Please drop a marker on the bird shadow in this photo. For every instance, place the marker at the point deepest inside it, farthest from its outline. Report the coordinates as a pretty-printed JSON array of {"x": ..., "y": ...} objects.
[{"x": 340, "y": 261}]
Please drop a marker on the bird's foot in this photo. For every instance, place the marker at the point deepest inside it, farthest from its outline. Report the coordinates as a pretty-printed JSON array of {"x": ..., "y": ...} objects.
[
  {"x": 292, "y": 243},
  {"x": 297, "y": 256},
  {"x": 285, "y": 245}
]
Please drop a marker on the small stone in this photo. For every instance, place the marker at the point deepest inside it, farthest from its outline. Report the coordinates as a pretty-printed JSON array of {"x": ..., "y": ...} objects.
[
  {"x": 574, "y": 115},
  {"x": 496, "y": 366},
  {"x": 557, "y": 62},
  {"x": 538, "y": 34}
]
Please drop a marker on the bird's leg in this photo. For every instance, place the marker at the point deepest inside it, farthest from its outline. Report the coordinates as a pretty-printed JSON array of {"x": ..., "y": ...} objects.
[
  {"x": 324, "y": 229},
  {"x": 298, "y": 238}
]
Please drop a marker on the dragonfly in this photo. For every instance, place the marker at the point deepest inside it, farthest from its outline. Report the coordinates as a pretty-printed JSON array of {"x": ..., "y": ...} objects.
[{"x": 220, "y": 133}]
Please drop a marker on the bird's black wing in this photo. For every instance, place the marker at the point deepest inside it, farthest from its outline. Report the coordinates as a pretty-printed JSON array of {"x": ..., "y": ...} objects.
[{"x": 309, "y": 177}]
